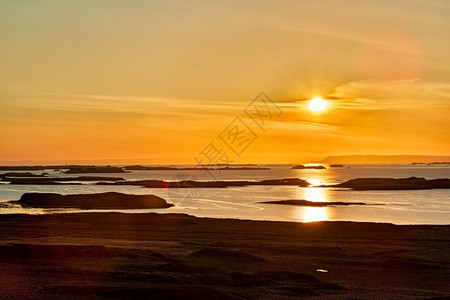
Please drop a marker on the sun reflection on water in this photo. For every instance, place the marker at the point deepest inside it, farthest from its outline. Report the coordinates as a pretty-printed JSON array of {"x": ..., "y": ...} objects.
[
  {"x": 315, "y": 182},
  {"x": 315, "y": 194},
  {"x": 314, "y": 214}
]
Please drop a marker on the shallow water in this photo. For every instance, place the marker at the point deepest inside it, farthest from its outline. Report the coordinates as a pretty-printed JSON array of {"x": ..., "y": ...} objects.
[{"x": 398, "y": 207}]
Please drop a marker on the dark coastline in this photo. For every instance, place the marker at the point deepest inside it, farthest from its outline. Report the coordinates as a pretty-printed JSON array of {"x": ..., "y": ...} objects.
[{"x": 137, "y": 256}]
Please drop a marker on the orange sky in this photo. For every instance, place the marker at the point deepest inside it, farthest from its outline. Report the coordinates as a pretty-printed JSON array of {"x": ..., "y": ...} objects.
[{"x": 156, "y": 82}]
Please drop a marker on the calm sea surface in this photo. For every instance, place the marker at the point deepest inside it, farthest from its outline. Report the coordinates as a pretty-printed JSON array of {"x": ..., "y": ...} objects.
[{"x": 398, "y": 207}]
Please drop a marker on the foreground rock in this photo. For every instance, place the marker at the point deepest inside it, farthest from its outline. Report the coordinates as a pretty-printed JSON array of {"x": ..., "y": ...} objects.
[
  {"x": 411, "y": 183},
  {"x": 109, "y": 200},
  {"x": 311, "y": 203},
  {"x": 301, "y": 167}
]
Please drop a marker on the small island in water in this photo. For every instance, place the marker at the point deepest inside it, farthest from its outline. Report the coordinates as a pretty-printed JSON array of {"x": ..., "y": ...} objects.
[
  {"x": 301, "y": 167},
  {"x": 109, "y": 200}
]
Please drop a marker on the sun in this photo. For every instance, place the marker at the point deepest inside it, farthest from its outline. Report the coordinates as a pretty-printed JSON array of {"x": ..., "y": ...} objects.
[{"x": 317, "y": 104}]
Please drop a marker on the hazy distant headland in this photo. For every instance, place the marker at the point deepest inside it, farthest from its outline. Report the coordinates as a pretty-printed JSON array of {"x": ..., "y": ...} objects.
[{"x": 380, "y": 159}]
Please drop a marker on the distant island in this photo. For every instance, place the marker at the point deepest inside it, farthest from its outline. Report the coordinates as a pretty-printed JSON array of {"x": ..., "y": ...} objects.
[
  {"x": 95, "y": 169},
  {"x": 110, "y": 200},
  {"x": 21, "y": 174},
  {"x": 75, "y": 169},
  {"x": 312, "y": 203},
  {"x": 411, "y": 183},
  {"x": 209, "y": 167},
  {"x": 300, "y": 167},
  {"x": 432, "y": 163},
  {"x": 70, "y": 168},
  {"x": 208, "y": 184},
  {"x": 55, "y": 180},
  {"x": 381, "y": 159}
]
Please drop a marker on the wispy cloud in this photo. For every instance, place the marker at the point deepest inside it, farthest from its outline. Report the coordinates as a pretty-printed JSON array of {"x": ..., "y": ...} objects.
[{"x": 402, "y": 94}]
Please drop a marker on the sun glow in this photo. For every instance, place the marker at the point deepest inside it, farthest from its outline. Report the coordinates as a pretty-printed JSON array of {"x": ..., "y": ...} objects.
[{"x": 317, "y": 104}]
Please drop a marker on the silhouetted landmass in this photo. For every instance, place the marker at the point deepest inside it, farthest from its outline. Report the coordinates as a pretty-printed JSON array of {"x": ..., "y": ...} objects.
[
  {"x": 141, "y": 168},
  {"x": 380, "y": 159},
  {"x": 46, "y": 167},
  {"x": 110, "y": 200},
  {"x": 166, "y": 168},
  {"x": 431, "y": 163},
  {"x": 242, "y": 168},
  {"x": 21, "y": 174},
  {"x": 311, "y": 203},
  {"x": 22, "y": 168},
  {"x": 208, "y": 184},
  {"x": 231, "y": 165},
  {"x": 308, "y": 167},
  {"x": 89, "y": 168},
  {"x": 336, "y": 166},
  {"x": 286, "y": 181},
  {"x": 175, "y": 256},
  {"x": 28, "y": 181},
  {"x": 95, "y": 169},
  {"x": 411, "y": 183},
  {"x": 57, "y": 180}
]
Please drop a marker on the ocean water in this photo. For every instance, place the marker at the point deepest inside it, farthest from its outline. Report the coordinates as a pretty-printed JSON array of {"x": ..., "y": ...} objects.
[{"x": 398, "y": 207}]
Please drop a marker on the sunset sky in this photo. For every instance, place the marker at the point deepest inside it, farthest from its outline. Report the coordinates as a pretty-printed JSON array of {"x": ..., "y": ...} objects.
[{"x": 158, "y": 81}]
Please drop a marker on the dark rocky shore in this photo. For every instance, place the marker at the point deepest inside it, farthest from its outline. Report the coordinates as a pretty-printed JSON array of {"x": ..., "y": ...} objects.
[{"x": 173, "y": 256}]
